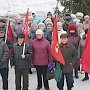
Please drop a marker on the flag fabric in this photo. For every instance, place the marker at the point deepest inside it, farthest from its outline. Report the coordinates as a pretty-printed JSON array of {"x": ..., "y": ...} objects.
[
  {"x": 55, "y": 50},
  {"x": 25, "y": 28},
  {"x": 9, "y": 32},
  {"x": 85, "y": 59}
]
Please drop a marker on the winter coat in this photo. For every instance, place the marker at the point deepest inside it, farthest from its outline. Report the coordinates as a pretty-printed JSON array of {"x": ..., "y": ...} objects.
[
  {"x": 41, "y": 52},
  {"x": 16, "y": 29},
  {"x": 86, "y": 25},
  {"x": 37, "y": 20},
  {"x": 70, "y": 56},
  {"x": 31, "y": 36},
  {"x": 4, "y": 55},
  {"x": 75, "y": 39},
  {"x": 17, "y": 60},
  {"x": 48, "y": 35}
]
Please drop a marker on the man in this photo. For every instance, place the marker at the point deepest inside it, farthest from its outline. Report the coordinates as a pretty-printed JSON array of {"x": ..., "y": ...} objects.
[
  {"x": 4, "y": 60},
  {"x": 20, "y": 62},
  {"x": 70, "y": 55},
  {"x": 37, "y": 19}
]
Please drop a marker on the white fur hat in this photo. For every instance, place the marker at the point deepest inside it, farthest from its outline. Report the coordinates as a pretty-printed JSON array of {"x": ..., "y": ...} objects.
[{"x": 79, "y": 14}]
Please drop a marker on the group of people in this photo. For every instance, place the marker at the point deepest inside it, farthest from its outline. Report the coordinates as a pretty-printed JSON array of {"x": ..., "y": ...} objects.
[{"x": 72, "y": 32}]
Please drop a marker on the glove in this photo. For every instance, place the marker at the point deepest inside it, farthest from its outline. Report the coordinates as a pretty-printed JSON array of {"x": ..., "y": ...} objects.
[{"x": 51, "y": 66}]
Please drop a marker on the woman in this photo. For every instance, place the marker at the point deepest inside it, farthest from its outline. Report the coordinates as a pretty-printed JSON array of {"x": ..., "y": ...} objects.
[
  {"x": 74, "y": 39},
  {"x": 41, "y": 58}
]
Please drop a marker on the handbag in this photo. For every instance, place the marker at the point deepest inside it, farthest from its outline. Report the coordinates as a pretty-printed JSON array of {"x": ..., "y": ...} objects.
[
  {"x": 58, "y": 72},
  {"x": 50, "y": 74}
]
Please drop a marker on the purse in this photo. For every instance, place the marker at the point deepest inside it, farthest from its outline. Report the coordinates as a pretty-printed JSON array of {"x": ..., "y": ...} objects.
[{"x": 50, "y": 74}]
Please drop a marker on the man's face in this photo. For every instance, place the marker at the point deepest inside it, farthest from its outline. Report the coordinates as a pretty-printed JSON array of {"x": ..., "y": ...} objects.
[
  {"x": 1, "y": 34},
  {"x": 39, "y": 36},
  {"x": 30, "y": 21},
  {"x": 34, "y": 15},
  {"x": 64, "y": 40},
  {"x": 49, "y": 16},
  {"x": 20, "y": 40},
  {"x": 18, "y": 20}
]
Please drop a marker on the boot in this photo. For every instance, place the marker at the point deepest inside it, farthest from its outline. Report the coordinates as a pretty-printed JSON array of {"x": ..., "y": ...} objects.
[
  {"x": 86, "y": 77},
  {"x": 30, "y": 71},
  {"x": 60, "y": 88},
  {"x": 69, "y": 88},
  {"x": 76, "y": 73}
]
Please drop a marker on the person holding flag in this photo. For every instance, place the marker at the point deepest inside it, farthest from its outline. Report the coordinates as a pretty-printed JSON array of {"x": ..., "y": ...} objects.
[
  {"x": 4, "y": 59},
  {"x": 86, "y": 56},
  {"x": 20, "y": 61},
  {"x": 6, "y": 36},
  {"x": 65, "y": 54}
]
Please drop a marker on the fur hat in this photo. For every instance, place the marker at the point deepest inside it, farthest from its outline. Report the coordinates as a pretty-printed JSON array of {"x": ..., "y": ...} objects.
[{"x": 79, "y": 14}]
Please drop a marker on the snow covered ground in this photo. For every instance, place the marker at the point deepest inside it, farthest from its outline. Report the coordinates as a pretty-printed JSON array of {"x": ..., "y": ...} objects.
[{"x": 78, "y": 85}]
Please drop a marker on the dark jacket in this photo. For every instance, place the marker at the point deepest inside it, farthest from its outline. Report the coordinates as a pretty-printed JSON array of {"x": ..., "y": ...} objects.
[
  {"x": 17, "y": 60},
  {"x": 4, "y": 55},
  {"x": 31, "y": 36},
  {"x": 70, "y": 56},
  {"x": 48, "y": 35},
  {"x": 41, "y": 52}
]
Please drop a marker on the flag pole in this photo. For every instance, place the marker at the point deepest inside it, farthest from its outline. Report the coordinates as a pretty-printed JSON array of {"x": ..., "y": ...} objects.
[
  {"x": 6, "y": 30},
  {"x": 24, "y": 49}
]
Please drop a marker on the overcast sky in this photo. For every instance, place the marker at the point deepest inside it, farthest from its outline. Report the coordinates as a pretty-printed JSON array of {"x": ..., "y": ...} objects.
[{"x": 20, "y": 6}]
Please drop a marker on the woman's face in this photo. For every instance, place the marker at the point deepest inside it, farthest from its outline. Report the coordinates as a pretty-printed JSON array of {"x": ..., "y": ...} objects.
[
  {"x": 49, "y": 27},
  {"x": 34, "y": 27},
  {"x": 42, "y": 27},
  {"x": 39, "y": 36}
]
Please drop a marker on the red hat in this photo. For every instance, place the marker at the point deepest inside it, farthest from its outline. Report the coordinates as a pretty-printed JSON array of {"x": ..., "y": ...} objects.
[{"x": 72, "y": 26}]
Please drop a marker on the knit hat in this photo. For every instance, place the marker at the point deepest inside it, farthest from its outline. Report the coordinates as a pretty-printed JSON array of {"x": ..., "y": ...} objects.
[
  {"x": 49, "y": 23},
  {"x": 49, "y": 13},
  {"x": 79, "y": 25},
  {"x": 39, "y": 31},
  {"x": 72, "y": 26},
  {"x": 47, "y": 20},
  {"x": 86, "y": 17}
]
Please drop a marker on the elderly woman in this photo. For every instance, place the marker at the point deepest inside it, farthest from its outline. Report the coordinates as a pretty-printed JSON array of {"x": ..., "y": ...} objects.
[
  {"x": 41, "y": 58},
  {"x": 47, "y": 34},
  {"x": 17, "y": 27}
]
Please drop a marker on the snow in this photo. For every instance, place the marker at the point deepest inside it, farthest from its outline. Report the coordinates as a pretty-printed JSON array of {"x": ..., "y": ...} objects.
[{"x": 78, "y": 85}]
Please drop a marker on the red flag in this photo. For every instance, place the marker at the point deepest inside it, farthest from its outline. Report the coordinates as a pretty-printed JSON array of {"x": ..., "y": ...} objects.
[
  {"x": 25, "y": 28},
  {"x": 55, "y": 50},
  {"x": 9, "y": 32},
  {"x": 85, "y": 60}
]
